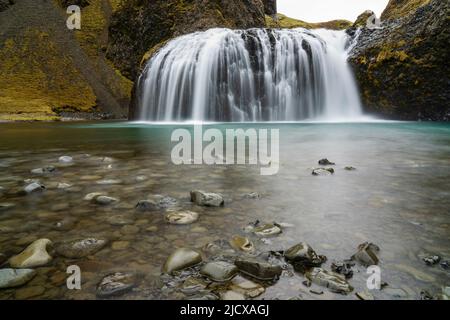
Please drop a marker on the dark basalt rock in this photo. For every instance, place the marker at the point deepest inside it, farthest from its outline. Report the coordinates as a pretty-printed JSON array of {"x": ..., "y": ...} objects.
[
  {"x": 326, "y": 162},
  {"x": 367, "y": 254},
  {"x": 344, "y": 268},
  {"x": 257, "y": 269},
  {"x": 302, "y": 257}
]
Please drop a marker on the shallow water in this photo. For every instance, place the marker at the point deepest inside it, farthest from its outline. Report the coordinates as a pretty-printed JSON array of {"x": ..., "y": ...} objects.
[{"x": 397, "y": 198}]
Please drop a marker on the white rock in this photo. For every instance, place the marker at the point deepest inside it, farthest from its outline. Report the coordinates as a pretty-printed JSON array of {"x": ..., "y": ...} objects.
[
  {"x": 65, "y": 159},
  {"x": 34, "y": 187},
  {"x": 63, "y": 185}
]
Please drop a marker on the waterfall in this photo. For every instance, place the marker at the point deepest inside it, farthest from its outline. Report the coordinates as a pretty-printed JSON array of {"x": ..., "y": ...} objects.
[{"x": 250, "y": 75}]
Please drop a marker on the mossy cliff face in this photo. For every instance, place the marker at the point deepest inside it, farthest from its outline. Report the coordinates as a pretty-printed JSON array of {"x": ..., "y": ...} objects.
[
  {"x": 47, "y": 69},
  {"x": 283, "y": 22},
  {"x": 402, "y": 68},
  {"x": 140, "y": 25}
]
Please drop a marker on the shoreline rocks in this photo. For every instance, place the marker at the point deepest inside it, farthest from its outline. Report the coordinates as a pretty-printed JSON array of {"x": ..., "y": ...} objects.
[
  {"x": 205, "y": 199},
  {"x": 35, "y": 255}
]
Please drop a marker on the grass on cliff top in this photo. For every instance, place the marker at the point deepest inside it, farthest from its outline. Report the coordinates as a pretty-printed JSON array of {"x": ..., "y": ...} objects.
[
  {"x": 284, "y": 22},
  {"x": 397, "y": 9}
]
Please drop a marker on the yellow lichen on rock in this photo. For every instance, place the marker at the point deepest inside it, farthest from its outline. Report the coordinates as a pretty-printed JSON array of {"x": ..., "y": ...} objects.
[
  {"x": 283, "y": 22},
  {"x": 400, "y": 8}
]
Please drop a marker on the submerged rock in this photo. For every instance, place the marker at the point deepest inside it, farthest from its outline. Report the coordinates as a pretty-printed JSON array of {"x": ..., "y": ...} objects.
[
  {"x": 259, "y": 269},
  {"x": 432, "y": 260},
  {"x": 45, "y": 170},
  {"x": 322, "y": 171},
  {"x": 147, "y": 205},
  {"x": 6, "y": 206},
  {"x": 181, "y": 217},
  {"x": 302, "y": 256},
  {"x": 63, "y": 185},
  {"x": 80, "y": 248},
  {"x": 34, "y": 187},
  {"x": 35, "y": 255},
  {"x": 105, "y": 200},
  {"x": 267, "y": 230},
  {"x": 252, "y": 195},
  {"x": 10, "y": 278},
  {"x": 242, "y": 243},
  {"x": 109, "y": 181},
  {"x": 93, "y": 195},
  {"x": 344, "y": 268},
  {"x": 116, "y": 284},
  {"x": 246, "y": 287},
  {"x": 350, "y": 168},
  {"x": 231, "y": 295},
  {"x": 120, "y": 220},
  {"x": 65, "y": 159},
  {"x": 367, "y": 254},
  {"x": 181, "y": 259},
  {"x": 219, "y": 271},
  {"x": 202, "y": 198},
  {"x": 326, "y": 162},
  {"x": 333, "y": 281}
]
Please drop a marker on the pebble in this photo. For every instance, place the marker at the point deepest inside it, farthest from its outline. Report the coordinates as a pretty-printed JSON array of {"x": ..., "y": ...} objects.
[
  {"x": 333, "y": 281},
  {"x": 258, "y": 269},
  {"x": 326, "y": 162},
  {"x": 109, "y": 182},
  {"x": 45, "y": 170},
  {"x": 93, "y": 195},
  {"x": 246, "y": 287},
  {"x": 322, "y": 171},
  {"x": 242, "y": 244},
  {"x": 120, "y": 245},
  {"x": 63, "y": 185},
  {"x": 267, "y": 230}
]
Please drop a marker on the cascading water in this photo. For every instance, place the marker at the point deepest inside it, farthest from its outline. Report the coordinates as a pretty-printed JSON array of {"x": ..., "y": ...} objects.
[{"x": 250, "y": 75}]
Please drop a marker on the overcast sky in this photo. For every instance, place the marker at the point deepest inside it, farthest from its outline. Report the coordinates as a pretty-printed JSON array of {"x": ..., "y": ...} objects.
[{"x": 325, "y": 10}]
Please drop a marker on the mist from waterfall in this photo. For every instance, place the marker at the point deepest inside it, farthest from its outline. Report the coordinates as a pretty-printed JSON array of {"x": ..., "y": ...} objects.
[{"x": 250, "y": 75}]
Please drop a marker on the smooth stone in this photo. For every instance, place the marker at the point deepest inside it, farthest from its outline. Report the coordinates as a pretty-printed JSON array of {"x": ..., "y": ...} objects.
[
  {"x": 63, "y": 185},
  {"x": 80, "y": 248},
  {"x": 205, "y": 199},
  {"x": 231, "y": 295},
  {"x": 92, "y": 196},
  {"x": 109, "y": 182},
  {"x": 367, "y": 254},
  {"x": 116, "y": 284},
  {"x": 6, "y": 206},
  {"x": 326, "y": 162},
  {"x": 105, "y": 200},
  {"x": 267, "y": 230},
  {"x": 322, "y": 171},
  {"x": 29, "y": 292},
  {"x": 152, "y": 229},
  {"x": 302, "y": 256},
  {"x": 219, "y": 271},
  {"x": 35, "y": 255},
  {"x": 120, "y": 245},
  {"x": 65, "y": 159},
  {"x": 246, "y": 287},
  {"x": 258, "y": 269},
  {"x": 45, "y": 170},
  {"x": 34, "y": 187},
  {"x": 10, "y": 278},
  {"x": 242, "y": 243},
  {"x": 333, "y": 281},
  {"x": 181, "y": 259},
  {"x": 181, "y": 217}
]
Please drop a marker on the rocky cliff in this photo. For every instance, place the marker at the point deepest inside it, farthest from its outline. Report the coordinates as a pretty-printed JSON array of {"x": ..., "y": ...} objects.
[{"x": 403, "y": 66}]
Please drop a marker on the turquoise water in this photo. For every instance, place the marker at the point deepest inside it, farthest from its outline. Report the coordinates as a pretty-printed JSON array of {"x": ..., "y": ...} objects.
[{"x": 397, "y": 198}]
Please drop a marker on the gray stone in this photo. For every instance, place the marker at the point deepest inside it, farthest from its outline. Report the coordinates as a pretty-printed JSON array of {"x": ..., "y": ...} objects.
[
  {"x": 219, "y": 271},
  {"x": 80, "y": 248},
  {"x": 147, "y": 205},
  {"x": 116, "y": 284},
  {"x": 92, "y": 196},
  {"x": 246, "y": 287},
  {"x": 333, "y": 281},
  {"x": 34, "y": 187},
  {"x": 242, "y": 244},
  {"x": 45, "y": 170},
  {"x": 259, "y": 269},
  {"x": 431, "y": 260},
  {"x": 10, "y": 278},
  {"x": 205, "y": 199},
  {"x": 105, "y": 200},
  {"x": 181, "y": 259},
  {"x": 367, "y": 254},
  {"x": 350, "y": 168},
  {"x": 302, "y": 256},
  {"x": 63, "y": 185}
]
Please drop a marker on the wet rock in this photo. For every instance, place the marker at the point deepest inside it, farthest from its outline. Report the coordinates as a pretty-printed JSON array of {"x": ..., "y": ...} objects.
[
  {"x": 10, "y": 278},
  {"x": 63, "y": 185},
  {"x": 120, "y": 245},
  {"x": 396, "y": 293},
  {"x": 259, "y": 269},
  {"x": 431, "y": 260},
  {"x": 181, "y": 259},
  {"x": 252, "y": 195},
  {"x": 326, "y": 162},
  {"x": 80, "y": 248},
  {"x": 109, "y": 182},
  {"x": 350, "y": 168},
  {"x": 28, "y": 292},
  {"x": 164, "y": 202},
  {"x": 6, "y": 206},
  {"x": 92, "y": 196},
  {"x": 45, "y": 170},
  {"x": 35, "y": 255},
  {"x": 120, "y": 220},
  {"x": 322, "y": 171},
  {"x": 147, "y": 205},
  {"x": 65, "y": 159},
  {"x": 219, "y": 271},
  {"x": 364, "y": 295},
  {"x": 193, "y": 285},
  {"x": 445, "y": 293},
  {"x": 202, "y": 198},
  {"x": 302, "y": 256},
  {"x": 105, "y": 200},
  {"x": 34, "y": 187},
  {"x": 267, "y": 230},
  {"x": 242, "y": 243},
  {"x": 181, "y": 217},
  {"x": 344, "y": 268},
  {"x": 246, "y": 287},
  {"x": 116, "y": 284},
  {"x": 425, "y": 295},
  {"x": 444, "y": 264},
  {"x": 367, "y": 254},
  {"x": 231, "y": 295},
  {"x": 333, "y": 281}
]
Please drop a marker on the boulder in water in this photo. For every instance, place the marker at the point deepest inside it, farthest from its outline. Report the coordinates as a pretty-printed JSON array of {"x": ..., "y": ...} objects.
[
  {"x": 181, "y": 259},
  {"x": 80, "y": 248},
  {"x": 219, "y": 271},
  {"x": 10, "y": 278},
  {"x": 367, "y": 254},
  {"x": 257, "y": 269},
  {"x": 35, "y": 255},
  {"x": 206, "y": 199},
  {"x": 34, "y": 187}
]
